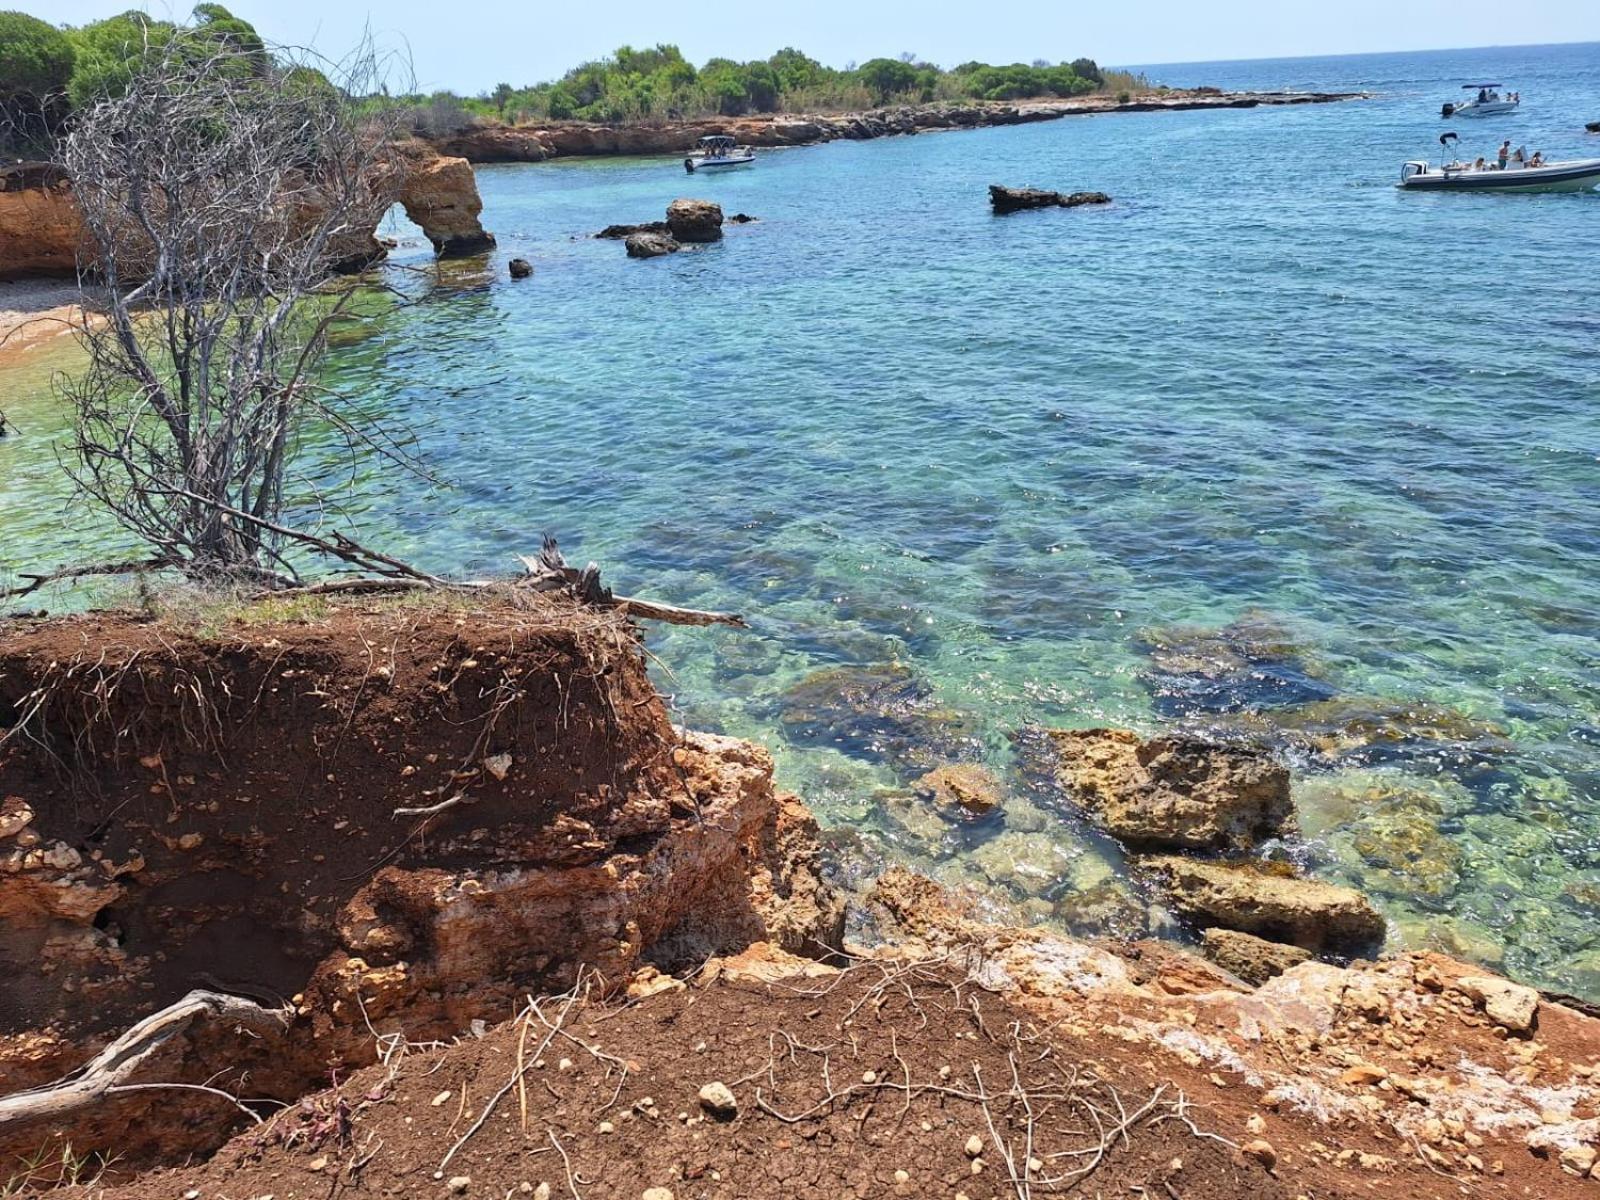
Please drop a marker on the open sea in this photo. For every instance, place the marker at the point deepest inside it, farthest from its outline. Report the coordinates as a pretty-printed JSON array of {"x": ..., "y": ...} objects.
[{"x": 1264, "y": 447}]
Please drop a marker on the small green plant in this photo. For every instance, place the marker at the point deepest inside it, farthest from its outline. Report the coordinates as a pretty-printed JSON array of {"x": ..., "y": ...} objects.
[{"x": 54, "y": 1167}]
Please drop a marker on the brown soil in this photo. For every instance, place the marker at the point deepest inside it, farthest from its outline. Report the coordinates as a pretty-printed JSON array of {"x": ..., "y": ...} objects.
[
  {"x": 841, "y": 1082},
  {"x": 216, "y": 808}
]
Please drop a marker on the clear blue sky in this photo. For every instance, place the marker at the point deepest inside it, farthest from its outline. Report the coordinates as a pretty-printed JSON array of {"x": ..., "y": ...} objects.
[{"x": 470, "y": 45}]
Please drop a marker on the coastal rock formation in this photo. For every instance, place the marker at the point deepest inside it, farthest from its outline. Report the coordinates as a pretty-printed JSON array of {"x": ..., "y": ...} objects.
[
  {"x": 695, "y": 220},
  {"x": 40, "y": 229},
  {"x": 1251, "y": 898},
  {"x": 1009, "y": 200},
  {"x": 41, "y": 232},
  {"x": 1176, "y": 792},
  {"x": 520, "y": 268},
  {"x": 1254, "y": 960},
  {"x": 618, "y": 232},
  {"x": 647, "y": 244},
  {"x": 488, "y": 142},
  {"x": 406, "y": 839},
  {"x": 960, "y": 791},
  {"x": 441, "y": 195}
]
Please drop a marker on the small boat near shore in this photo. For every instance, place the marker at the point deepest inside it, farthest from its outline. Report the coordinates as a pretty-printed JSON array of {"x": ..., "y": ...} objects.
[
  {"x": 1489, "y": 102},
  {"x": 718, "y": 152}
]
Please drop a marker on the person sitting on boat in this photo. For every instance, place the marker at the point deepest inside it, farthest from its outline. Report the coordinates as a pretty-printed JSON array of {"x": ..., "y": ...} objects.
[
  {"x": 1537, "y": 160},
  {"x": 1483, "y": 95},
  {"x": 1480, "y": 165},
  {"x": 1504, "y": 156}
]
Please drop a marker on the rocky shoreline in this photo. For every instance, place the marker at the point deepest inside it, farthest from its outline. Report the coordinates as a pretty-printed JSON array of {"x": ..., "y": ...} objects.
[
  {"x": 530, "y": 143},
  {"x": 487, "y": 814}
]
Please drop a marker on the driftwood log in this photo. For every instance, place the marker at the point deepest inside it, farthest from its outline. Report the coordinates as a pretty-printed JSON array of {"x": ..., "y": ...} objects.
[{"x": 117, "y": 1068}]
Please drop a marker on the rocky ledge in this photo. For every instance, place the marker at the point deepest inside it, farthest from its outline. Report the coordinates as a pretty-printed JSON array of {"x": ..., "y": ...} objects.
[{"x": 535, "y": 143}]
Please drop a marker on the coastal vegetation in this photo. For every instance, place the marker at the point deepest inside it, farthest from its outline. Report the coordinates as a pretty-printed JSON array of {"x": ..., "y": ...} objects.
[{"x": 659, "y": 84}]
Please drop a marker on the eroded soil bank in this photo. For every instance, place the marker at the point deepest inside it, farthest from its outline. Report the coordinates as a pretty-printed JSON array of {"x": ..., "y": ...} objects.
[{"x": 432, "y": 899}]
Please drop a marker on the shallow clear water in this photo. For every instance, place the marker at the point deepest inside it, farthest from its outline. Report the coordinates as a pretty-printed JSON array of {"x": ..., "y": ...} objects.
[{"x": 973, "y": 467}]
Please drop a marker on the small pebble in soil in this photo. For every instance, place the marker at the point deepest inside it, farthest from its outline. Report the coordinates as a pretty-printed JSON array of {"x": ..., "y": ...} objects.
[
  {"x": 564, "y": 1065},
  {"x": 974, "y": 1146},
  {"x": 902, "y": 1177},
  {"x": 657, "y": 1194},
  {"x": 459, "y": 1183},
  {"x": 607, "y": 1127},
  {"x": 718, "y": 1100},
  {"x": 869, "y": 1077}
]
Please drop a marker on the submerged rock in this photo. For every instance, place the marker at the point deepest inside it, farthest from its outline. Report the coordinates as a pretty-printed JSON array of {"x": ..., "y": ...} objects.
[
  {"x": 1385, "y": 830},
  {"x": 618, "y": 232},
  {"x": 1109, "y": 908},
  {"x": 960, "y": 791},
  {"x": 1376, "y": 729},
  {"x": 1008, "y": 200},
  {"x": 1251, "y": 663},
  {"x": 521, "y": 268},
  {"x": 885, "y": 713},
  {"x": 650, "y": 245},
  {"x": 1175, "y": 792},
  {"x": 695, "y": 220},
  {"x": 1252, "y": 959},
  {"x": 1246, "y": 897}
]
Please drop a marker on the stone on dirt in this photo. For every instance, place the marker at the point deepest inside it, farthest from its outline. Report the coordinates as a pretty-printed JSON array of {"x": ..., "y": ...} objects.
[
  {"x": 718, "y": 1100},
  {"x": 695, "y": 220},
  {"x": 1176, "y": 792},
  {"x": 1303, "y": 912},
  {"x": 1509, "y": 1005},
  {"x": 1252, "y": 959}
]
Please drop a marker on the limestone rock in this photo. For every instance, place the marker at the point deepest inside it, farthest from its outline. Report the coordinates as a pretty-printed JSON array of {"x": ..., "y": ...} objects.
[
  {"x": 41, "y": 230},
  {"x": 718, "y": 1100},
  {"x": 695, "y": 220},
  {"x": 521, "y": 268},
  {"x": 1315, "y": 916},
  {"x": 1175, "y": 792},
  {"x": 1507, "y": 1004},
  {"x": 650, "y": 245},
  {"x": 1252, "y": 959},
  {"x": 960, "y": 790},
  {"x": 1106, "y": 908},
  {"x": 441, "y": 195},
  {"x": 619, "y": 232},
  {"x": 1008, "y": 200}
]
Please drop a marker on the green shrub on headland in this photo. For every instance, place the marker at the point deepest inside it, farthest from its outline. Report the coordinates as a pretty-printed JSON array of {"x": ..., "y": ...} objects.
[
  {"x": 46, "y": 72},
  {"x": 659, "y": 84}
]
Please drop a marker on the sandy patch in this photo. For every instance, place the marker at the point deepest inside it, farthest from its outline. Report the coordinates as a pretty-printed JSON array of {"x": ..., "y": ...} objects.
[{"x": 34, "y": 311}]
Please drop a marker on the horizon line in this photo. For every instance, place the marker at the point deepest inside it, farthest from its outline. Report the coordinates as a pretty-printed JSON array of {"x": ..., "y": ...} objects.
[{"x": 1207, "y": 62}]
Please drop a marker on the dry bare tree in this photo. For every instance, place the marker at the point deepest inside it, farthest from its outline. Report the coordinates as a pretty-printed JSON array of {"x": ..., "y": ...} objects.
[{"x": 219, "y": 194}]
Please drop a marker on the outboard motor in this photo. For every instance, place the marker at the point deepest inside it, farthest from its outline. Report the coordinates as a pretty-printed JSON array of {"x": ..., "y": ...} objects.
[
  {"x": 688, "y": 165},
  {"x": 1448, "y": 111}
]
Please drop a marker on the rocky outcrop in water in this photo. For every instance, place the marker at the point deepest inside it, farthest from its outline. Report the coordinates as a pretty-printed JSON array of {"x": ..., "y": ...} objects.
[
  {"x": 1174, "y": 792},
  {"x": 1271, "y": 903},
  {"x": 646, "y": 244},
  {"x": 695, "y": 220},
  {"x": 1010, "y": 200},
  {"x": 441, "y": 195}
]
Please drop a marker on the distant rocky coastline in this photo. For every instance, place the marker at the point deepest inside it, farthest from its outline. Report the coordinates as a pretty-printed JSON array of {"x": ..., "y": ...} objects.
[{"x": 569, "y": 139}]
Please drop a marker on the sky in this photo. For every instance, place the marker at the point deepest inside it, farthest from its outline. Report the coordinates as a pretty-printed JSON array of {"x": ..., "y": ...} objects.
[{"x": 470, "y": 45}]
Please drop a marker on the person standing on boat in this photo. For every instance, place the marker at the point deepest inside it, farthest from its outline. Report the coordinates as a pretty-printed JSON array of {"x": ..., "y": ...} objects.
[{"x": 1505, "y": 154}]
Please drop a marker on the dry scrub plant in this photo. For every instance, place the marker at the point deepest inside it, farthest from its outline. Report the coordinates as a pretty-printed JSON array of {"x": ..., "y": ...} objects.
[{"x": 219, "y": 193}]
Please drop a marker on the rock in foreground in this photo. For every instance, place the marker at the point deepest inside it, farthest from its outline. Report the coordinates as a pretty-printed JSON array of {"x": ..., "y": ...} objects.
[
  {"x": 1009, "y": 200},
  {"x": 1174, "y": 793},
  {"x": 1252, "y": 959},
  {"x": 1303, "y": 912},
  {"x": 695, "y": 220},
  {"x": 650, "y": 245}
]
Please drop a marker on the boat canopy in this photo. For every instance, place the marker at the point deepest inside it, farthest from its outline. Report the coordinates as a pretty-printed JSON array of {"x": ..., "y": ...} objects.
[
  {"x": 717, "y": 141},
  {"x": 1473, "y": 87}
]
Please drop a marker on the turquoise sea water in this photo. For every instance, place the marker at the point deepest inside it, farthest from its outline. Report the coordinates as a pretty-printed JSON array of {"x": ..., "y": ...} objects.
[{"x": 1264, "y": 446}]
